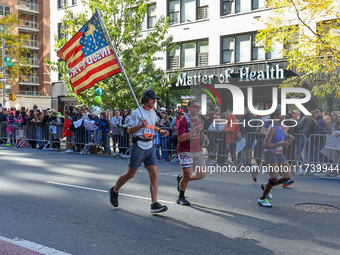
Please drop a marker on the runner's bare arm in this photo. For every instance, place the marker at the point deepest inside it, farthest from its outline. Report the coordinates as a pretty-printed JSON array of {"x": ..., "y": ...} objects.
[{"x": 134, "y": 129}]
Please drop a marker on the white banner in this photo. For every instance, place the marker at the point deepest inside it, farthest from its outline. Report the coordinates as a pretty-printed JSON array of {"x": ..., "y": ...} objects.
[
  {"x": 332, "y": 142},
  {"x": 78, "y": 123},
  {"x": 89, "y": 125}
]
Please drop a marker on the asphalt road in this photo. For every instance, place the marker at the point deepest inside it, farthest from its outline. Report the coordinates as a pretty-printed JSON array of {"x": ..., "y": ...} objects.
[{"x": 60, "y": 201}]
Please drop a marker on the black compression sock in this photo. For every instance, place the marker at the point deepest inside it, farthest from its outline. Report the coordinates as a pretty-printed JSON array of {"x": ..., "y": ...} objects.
[{"x": 181, "y": 193}]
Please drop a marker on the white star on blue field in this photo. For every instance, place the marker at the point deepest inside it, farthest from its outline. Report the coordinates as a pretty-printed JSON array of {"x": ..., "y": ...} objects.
[{"x": 93, "y": 38}]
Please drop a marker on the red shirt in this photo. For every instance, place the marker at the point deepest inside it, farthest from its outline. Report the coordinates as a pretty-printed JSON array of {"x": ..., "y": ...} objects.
[{"x": 193, "y": 145}]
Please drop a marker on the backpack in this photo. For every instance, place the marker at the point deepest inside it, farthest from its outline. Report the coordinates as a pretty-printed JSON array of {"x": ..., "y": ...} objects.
[{"x": 202, "y": 142}]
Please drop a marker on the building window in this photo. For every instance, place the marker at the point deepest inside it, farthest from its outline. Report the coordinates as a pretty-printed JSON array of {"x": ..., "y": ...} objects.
[
  {"x": 202, "y": 53},
  {"x": 174, "y": 58},
  {"x": 180, "y": 11},
  {"x": 189, "y": 54},
  {"x": 5, "y": 10},
  {"x": 174, "y": 12},
  {"x": 228, "y": 50},
  {"x": 151, "y": 16},
  {"x": 62, "y": 3},
  {"x": 61, "y": 31},
  {"x": 258, "y": 4},
  {"x": 243, "y": 48},
  {"x": 276, "y": 51},
  {"x": 202, "y": 9},
  {"x": 242, "y": 6},
  {"x": 237, "y": 6},
  {"x": 227, "y": 6},
  {"x": 257, "y": 50}
]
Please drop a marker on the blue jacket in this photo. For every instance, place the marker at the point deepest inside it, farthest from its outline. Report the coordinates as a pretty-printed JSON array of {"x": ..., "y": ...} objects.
[
  {"x": 320, "y": 126},
  {"x": 104, "y": 124}
]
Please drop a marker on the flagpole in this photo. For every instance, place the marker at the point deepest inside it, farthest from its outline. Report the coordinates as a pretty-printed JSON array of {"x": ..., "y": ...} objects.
[{"x": 119, "y": 63}]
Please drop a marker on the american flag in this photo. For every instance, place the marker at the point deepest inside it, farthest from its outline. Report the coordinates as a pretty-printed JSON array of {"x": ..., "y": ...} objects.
[{"x": 89, "y": 56}]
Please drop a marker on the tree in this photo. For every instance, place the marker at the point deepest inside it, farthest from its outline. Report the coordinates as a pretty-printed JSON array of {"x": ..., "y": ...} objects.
[
  {"x": 309, "y": 31},
  {"x": 136, "y": 49},
  {"x": 15, "y": 48}
]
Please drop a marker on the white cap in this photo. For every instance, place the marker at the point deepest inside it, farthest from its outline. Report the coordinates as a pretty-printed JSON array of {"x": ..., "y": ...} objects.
[
  {"x": 96, "y": 112},
  {"x": 4, "y": 107},
  {"x": 162, "y": 109}
]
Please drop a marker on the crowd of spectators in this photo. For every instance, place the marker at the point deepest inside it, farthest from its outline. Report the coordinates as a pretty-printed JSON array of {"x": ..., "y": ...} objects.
[{"x": 111, "y": 132}]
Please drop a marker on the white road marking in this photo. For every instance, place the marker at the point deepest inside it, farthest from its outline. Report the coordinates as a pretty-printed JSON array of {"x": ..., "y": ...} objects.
[
  {"x": 33, "y": 246},
  {"x": 104, "y": 191}
]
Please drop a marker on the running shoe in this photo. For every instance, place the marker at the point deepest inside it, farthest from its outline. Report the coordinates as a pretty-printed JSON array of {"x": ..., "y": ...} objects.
[
  {"x": 113, "y": 197},
  {"x": 253, "y": 172},
  {"x": 157, "y": 208},
  {"x": 263, "y": 187},
  {"x": 183, "y": 201},
  {"x": 264, "y": 202},
  {"x": 179, "y": 178},
  {"x": 287, "y": 183}
]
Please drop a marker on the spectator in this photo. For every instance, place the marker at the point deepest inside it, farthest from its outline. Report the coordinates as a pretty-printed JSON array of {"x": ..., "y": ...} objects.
[
  {"x": 207, "y": 120},
  {"x": 9, "y": 129},
  {"x": 87, "y": 116},
  {"x": 232, "y": 130},
  {"x": 38, "y": 119},
  {"x": 3, "y": 119},
  {"x": 217, "y": 111},
  {"x": 163, "y": 124},
  {"x": 243, "y": 133},
  {"x": 95, "y": 115},
  {"x": 124, "y": 123},
  {"x": 174, "y": 125},
  {"x": 305, "y": 128},
  {"x": 332, "y": 123},
  {"x": 116, "y": 133},
  {"x": 77, "y": 131},
  {"x": 318, "y": 142},
  {"x": 55, "y": 120},
  {"x": 104, "y": 125},
  {"x": 67, "y": 132}
]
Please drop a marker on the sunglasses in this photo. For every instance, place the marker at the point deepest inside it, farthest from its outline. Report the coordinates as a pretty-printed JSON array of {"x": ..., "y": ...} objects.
[{"x": 197, "y": 107}]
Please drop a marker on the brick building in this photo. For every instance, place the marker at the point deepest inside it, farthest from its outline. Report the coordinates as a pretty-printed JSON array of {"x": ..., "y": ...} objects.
[{"x": 32, "y": 88}]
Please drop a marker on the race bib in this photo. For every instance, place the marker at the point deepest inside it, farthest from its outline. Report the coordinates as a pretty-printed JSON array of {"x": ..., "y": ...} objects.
[
  {"x": 278, "y": 150},
  {"x": 186, "y": 161},
  {"x": 148, "y": 132}
]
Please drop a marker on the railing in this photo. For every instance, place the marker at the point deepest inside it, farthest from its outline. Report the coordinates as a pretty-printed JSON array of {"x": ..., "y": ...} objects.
[
  {"x": 28, "y": 6},
  {"x": 29, "y": 24},
  {"x": 152, "y": 21},
  {"x": 202, "y": 59},
  {"x": 174, "y": 18},
  {"x": 174, "y": 62},
  {"x": 32, "y": 43},
  {"x": 307, "y": 155},
  {"x": 202, "y": 12},
  {"x": 29, "y": 79},
  {"x": 30, "y": 93},
  {"x": 33, "y": 61}
]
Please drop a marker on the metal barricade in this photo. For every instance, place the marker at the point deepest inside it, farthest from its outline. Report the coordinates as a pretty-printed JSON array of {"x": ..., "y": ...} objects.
[
  {"x": 55, "y": 133},
  {"x": 167, "y": 149},
  {"x": 3, "y": 132},
  {"x": 295, "y": 153},
  {"x": 20, "y": 135},
  {"x": 322, "y": 161},
  {"x": 219, "y": 149}
]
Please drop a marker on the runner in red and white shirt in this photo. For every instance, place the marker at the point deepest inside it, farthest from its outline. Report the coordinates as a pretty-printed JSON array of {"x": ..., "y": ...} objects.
[{"x": 189, "y": 149}]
